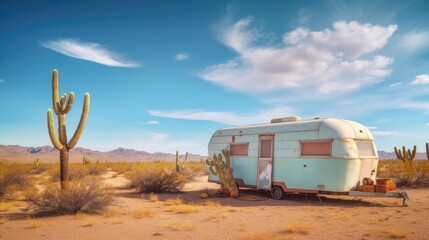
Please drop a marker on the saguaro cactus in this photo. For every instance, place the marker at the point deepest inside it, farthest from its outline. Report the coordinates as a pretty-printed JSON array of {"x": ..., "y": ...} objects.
[
  {"x": 61, "y": 108},
  {"x": 406, "y": 155},
  {"x": 180, "y": 165},
  {"x": 223, "y": 170}
]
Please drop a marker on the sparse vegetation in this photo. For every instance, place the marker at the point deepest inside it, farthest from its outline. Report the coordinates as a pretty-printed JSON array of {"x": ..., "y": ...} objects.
[
  {"x": 12, "y": 178},
  {"x": 404, "y": 173},
  {"x": 297, "y": 228},
  {"x": 82, "y": 196},
  {"x": 142, "y": 213},
  {"x": 157, "y": 181}
]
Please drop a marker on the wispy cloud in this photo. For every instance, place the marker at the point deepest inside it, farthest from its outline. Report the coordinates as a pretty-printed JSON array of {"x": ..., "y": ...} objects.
[
  {"x": 321, "y": 63},
  {"x": 228, "y": 118},
  {"x": 372, "y": 128},
  {"x": 182, "y": 56},
  {"x": 395, "y": 84},
  {"x": 148, "y": 123},
  {"x": 2, "y": 81},
  {"x": 89, "y": 51},
  {"x": 421, "y": 80},
  {"x": 427, "y": 124},
  {"x": 384, "y": 133},
  {"x": 415, "y": 40}
]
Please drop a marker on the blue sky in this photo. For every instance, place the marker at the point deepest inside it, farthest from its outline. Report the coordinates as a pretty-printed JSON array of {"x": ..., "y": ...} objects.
[{"x": 164, "y": 75}]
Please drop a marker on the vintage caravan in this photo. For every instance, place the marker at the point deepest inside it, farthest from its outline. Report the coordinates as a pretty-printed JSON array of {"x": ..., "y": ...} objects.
[{"x": 301, "y": 156}]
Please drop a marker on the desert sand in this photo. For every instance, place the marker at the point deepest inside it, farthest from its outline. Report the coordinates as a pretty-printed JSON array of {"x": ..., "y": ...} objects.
[{"x": 258, "y": 217}]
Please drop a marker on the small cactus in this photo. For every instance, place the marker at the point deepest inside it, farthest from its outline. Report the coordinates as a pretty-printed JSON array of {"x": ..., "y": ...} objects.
[
  {"x": 180, "y": 165},
  {"x": 406, "y": 155},
  {"x": 36, "y": 162},
  {"x": 222, "y": 169},
  {"x": 86, "y": 161}
]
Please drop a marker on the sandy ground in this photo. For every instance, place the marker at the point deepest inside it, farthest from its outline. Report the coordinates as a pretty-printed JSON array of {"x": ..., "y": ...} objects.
[{"x": 224, "y": 218}]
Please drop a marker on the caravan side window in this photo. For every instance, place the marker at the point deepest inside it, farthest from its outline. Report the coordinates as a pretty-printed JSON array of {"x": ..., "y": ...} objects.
[
  {"x": 239, "y": 149},
  {"x": 316, "y": 148}
]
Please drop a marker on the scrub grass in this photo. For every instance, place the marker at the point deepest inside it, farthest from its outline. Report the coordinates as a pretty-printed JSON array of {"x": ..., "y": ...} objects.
[
  {"x": 405, "y": 174},
  {"x": 144, "y": 213},
  {"x": 297, "y": 228},
  {"x": 181, "y": 226}
]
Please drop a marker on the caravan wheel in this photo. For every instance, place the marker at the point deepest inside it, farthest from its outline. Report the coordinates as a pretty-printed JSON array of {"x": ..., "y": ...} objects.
[{"x": 277, "y": 193}]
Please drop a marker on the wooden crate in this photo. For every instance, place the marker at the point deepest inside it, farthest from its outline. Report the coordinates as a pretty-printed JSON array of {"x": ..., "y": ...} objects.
[
  {"x": 384, "y": 181},
  {"x": 367, "y": 188},
  {"x": 385, "y": 188}
]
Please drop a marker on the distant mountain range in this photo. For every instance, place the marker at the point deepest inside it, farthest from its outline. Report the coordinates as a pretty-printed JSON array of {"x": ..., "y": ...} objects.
[{"x": 48, "y": 154}]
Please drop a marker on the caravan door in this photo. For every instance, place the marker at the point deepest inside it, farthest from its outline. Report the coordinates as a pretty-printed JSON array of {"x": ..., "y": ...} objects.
[{"x": 265, "y": 162}]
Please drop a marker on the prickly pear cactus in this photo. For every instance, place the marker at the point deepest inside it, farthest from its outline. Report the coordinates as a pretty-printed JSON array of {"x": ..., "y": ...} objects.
[{"x": 222, "y": 169}]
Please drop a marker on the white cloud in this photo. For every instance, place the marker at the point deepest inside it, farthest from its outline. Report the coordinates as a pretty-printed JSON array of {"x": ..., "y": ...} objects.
[
  {"x": 182, "y": 56},
  {"x": 93, "y": 52},
  {"x": 421, "y": 79},
  {"x": 372, "y": 128},
  {"x": 228, "y": 118},
  {"x": 148, "y": 123},
  {"x": 415, "y": 40},
  {"x": 161, "y": 142},
  {"x": 310, "y": 62},
  {"x": 427, "y": 124},
  {"x": 2, "y": 81},
  {"x": 415, "y": 105},
  {"x": 383, "y": 133},
  {"x": 395, "y": 84}
]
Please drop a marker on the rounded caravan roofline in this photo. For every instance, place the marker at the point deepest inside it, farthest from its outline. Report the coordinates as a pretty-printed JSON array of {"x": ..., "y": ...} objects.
[{"x": 329, "y": 128}]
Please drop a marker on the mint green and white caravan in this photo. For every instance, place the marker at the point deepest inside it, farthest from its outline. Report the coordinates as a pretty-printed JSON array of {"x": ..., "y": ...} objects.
[{"x": 301, "y": 156}]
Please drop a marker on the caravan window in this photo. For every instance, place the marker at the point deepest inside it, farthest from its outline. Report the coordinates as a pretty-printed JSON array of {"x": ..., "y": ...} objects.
[
  {"x": 239, "y": 149},
  {"x": 365, "y": 148},
  {"x": 316, "y": 148}
]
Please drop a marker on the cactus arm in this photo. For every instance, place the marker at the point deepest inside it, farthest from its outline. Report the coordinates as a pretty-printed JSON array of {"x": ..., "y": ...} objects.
[
  {"x": 398, "y": 153},
  {"x": 404, "y": 151},
  {"x": 63, "y": 103},
  {"x": 55, "y": 98},
  {"x": 70, "y": 102},
  {"x": 62, "y": 128},
  {"x": 81, "y": 124},
  {"x": 52, "y": 133},
  {"x": 413, "y": 153}
]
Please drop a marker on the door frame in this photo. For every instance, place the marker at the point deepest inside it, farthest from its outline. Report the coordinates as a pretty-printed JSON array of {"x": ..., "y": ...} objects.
[{"x": 271, "y": 160}]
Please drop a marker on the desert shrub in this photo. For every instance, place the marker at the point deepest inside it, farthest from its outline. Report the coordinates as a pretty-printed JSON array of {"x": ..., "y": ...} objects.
[
  {"x": 80, "y": 196},
  {"x": 404, "y": 173},
  {"x": 121, "y": 167},
  {"x": 12, "y": 178},
  {"x": 157, "y": 180},
  {"x": 79, "y": 171}
]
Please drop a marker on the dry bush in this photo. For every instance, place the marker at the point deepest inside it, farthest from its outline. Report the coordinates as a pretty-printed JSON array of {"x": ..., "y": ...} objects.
[
  {"x": 297, "y": 228},
  {"x": 156, "y": 181},
  {"x": 121, "y": 167},
  {"x": 12, "y": 178},
  {"x": 142, "y": 213},
  {"x": 404, "y": 173},
  {"x": 184, "y": 208},
  {"x": 79, "y": 171},
  {"x": 80, "y": 197},
  {"x": 173, "y": 201},
  {"x": 153, "y": 197},
  {"x": 180, "y": 226}
]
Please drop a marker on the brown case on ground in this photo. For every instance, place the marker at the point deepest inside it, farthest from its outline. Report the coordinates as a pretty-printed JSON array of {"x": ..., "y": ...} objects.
[
  {"x": 367, "y": 188},
  {"x": 385, "y": 188},
  {"x": 384, "y": 181}
]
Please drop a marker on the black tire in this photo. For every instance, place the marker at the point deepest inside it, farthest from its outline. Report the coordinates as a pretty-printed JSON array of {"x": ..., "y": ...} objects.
[{"x": 277, "y": 193}]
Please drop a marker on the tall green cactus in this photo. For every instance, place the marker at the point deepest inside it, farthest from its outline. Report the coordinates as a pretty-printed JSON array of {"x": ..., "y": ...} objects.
[
  {"x": 406, "y": 156},
  {"x": 61, "y": 108},
  {"x": 180, "y": 165},
  {"x": 223, "y": 170}
]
